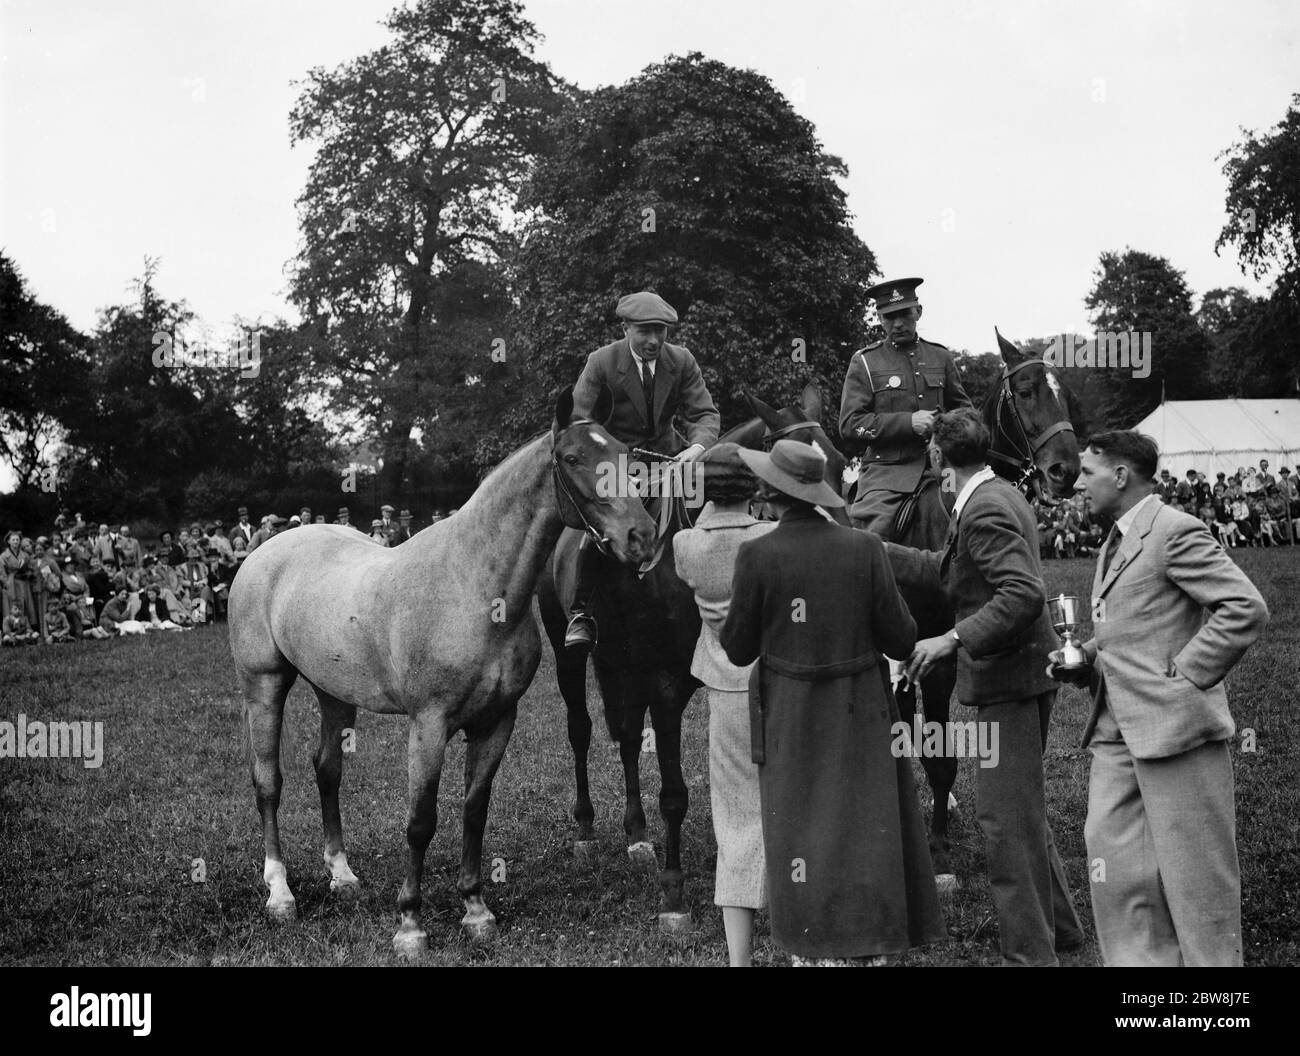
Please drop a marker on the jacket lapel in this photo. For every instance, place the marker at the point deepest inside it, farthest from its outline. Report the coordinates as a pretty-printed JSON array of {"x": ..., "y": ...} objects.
[
  {"x": 663, "y": 384},
  {"x": 629, "y": 378},
  {"x": 1130, "y": 546}
]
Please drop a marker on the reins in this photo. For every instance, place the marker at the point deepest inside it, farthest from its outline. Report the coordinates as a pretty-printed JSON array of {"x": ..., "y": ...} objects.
[{"x": 562, "y": 488}]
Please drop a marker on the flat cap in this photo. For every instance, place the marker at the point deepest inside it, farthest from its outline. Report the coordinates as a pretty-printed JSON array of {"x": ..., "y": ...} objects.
[
  {"x": 646, "y": 307},
  {"x": 343, "y": 511},
  {"x": 384, "y": 507}
]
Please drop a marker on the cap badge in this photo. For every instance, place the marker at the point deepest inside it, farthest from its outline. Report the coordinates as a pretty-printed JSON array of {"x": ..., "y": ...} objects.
[{"x": 897, "y": 295}]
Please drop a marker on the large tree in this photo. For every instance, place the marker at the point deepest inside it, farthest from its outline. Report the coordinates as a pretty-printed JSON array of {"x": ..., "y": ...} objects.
[
  {"x": 1263, "y": 205},
  {"x": 1136, "y": 292},
  {"x": 420, "y": 148},
  {"x": 43, "y": 369},
  {"x": 699, "y": 181}
]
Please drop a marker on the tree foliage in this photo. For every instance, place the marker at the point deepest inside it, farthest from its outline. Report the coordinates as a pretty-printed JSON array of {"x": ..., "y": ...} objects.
[
  {"x": 700, "y": 182},
  {"x": 1139, "y": 292},
  {"x": 420, "y": 148}
]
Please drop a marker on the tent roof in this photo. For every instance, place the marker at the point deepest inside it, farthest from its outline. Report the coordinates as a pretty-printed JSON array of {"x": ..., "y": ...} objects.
[{"x": 1225, "y": 427}]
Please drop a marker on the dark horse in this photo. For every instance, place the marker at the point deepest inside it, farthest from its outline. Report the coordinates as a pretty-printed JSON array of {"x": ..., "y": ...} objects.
[
  {"x": 1031, "y": 417},
  {"x": 648, "y": 628}
]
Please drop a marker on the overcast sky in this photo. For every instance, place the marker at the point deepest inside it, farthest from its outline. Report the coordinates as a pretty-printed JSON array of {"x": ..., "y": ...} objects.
[{"x": 993, "y": 148}]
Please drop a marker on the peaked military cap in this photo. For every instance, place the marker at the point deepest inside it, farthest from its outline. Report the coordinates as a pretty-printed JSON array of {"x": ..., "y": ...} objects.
[
  {"x": 646, "y": 307},
  {"x": 895, "y": 295}
]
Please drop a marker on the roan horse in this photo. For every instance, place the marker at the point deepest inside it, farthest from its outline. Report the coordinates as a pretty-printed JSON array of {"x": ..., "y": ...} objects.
[
  {"x": 440, "y": 629},
  {"x": 648, "y": 628},
  {"x": 1031, "y": 417}
]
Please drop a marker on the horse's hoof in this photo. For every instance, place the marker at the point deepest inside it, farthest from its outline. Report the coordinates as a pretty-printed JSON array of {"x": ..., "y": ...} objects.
[
  {"x": 643, "y": 853},
  {"x": 947, "y": 885},
  {"x": 345, "y": 890},
  {"x": 585, "y": 850},
  {"x": 677, "y": 925},
  {"x": 285, "y": 912},
  {"x": 411, "y": 945},
  {"x": 481, "y": 931}
]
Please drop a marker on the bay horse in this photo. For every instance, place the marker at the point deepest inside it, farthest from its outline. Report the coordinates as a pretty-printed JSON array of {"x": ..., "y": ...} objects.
[
  {"x": 1031, "y": 417},
  {"x": 648, "y": 629},
  {"x": 439, "y": 628}
]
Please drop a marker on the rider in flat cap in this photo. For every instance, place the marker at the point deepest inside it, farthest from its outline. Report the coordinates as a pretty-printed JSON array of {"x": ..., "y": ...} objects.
[
  {"x": 892, "y": 392},
  {"x": 652, "y": 381}
]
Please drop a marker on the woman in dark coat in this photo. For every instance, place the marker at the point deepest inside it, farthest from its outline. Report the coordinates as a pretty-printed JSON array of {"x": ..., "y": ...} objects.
[{"x": 848, "y": 866}]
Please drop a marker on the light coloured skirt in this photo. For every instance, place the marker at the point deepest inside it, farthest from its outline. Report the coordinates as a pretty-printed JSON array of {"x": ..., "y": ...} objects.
[{"x": 741, "y": 877}]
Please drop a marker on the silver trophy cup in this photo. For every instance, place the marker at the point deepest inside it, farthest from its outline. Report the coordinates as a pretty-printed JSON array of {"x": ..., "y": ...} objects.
[{"x": 1064, "y": 610}]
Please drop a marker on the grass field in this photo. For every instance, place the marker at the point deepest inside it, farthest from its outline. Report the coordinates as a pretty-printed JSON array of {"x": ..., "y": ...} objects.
[{"x": 97, "y": 866}]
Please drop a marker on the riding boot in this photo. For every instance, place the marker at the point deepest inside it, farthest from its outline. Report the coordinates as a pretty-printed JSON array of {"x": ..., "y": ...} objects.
[{"x": 581, "y": 632}]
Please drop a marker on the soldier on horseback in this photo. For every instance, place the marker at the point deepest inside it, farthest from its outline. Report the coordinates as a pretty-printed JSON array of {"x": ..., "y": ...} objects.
[
  {"x": 652, "y": 381},
  {"x": 892, "y": 392}
]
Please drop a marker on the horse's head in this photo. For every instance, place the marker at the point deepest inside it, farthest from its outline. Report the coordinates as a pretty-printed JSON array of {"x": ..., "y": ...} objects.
[
  {"x": 802, "y": 423},
  {"x": 1030, "y": 419},
  {"x": 590, "y": 482}
]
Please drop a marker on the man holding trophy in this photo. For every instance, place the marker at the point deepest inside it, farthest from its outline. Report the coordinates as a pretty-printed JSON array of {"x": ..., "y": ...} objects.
[
  {"x": 990, "y": 571},
  {"x": 1172, "y": 614}
]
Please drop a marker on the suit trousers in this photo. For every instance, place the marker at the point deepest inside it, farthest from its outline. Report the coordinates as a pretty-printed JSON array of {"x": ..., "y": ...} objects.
[
  {"x": 1162, "y": 848},
  {"x": 1030, "y": 892}
]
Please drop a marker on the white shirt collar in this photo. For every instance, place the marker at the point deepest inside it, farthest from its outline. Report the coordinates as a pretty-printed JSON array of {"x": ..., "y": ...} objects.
[
  {"x": 1125, "y": 523},
  {"x": 979, "y": 478},
  {"x": 639, "y": 362}
]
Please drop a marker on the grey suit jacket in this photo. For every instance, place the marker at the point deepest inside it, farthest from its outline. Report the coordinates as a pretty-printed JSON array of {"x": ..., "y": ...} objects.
[
  {"x": 1160, "y": 659},
  {"x": 990, "y": 571}
]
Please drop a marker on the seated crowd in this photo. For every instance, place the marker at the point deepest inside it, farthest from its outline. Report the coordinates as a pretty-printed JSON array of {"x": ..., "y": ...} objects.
[
  {"x": 79, "y": 581},
  {"x": 1249, "y": 508}
]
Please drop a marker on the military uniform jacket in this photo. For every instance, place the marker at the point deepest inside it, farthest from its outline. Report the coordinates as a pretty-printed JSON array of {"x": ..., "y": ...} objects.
[
  {"x": 883, "y": 387},
  {"x": 678, "y": 387}
]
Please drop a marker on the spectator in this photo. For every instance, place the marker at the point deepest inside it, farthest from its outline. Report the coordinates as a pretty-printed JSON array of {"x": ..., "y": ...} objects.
[
  {"x": 76, "y": 596},
  {"x": 242, "y": 528},
  {"x": 194, "y": 575},
  {"x": 154, "y": 612},
  {"x": 387, "y": 524},
  {"x": 172, "y": 552},
  {"x": 100, "y": 583},
  {"x": 17, "y": 630},
  {"x": 114, "y": 618},
  {"x": 705, "y": 557},
  {"x": 1266, "y": 479},
  {"x": 1250, "y": 484},
  {"x": 19, "y": 573},
  {"x": 219, "y": 544},
  {"x": 1166, "y": 487},
  {"x": 304, "y": 515},
  {"x": 103, "y": 547},
  {"x": 128, "y": 549},
  {"x": 403, "y": 528},
  {"x": 344, "y": 518},
  {"x": 1242, "y": 518},
  {"x": 377, "y": 532},
  {"x": 57, "y": 628}
]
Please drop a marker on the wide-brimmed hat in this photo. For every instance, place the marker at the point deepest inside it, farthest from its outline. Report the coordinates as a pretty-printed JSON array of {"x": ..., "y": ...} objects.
[{"x": 795, "y": 469}]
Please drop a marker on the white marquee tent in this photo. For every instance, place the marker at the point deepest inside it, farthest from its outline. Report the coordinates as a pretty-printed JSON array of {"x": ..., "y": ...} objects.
[{"x": 1218, "y": 436}]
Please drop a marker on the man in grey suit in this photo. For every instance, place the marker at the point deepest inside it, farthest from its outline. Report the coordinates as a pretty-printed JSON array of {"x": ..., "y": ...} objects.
[
  {"x": 990, "y": 571},
  {"x": 1161, "y": 828}
]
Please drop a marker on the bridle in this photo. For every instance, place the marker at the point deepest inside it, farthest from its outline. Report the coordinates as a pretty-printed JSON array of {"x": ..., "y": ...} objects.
[
  {"x": 563, "y": 492},
  {"x": 1023, "y": 461},
  {"x": 771, "y": 436}
]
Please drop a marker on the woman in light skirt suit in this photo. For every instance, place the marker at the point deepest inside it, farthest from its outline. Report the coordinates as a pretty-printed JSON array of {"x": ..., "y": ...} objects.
[{"x": 704, "y": 556}]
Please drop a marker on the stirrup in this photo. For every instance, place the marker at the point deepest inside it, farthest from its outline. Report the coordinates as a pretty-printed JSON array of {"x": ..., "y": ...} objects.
[{"x": 581, "y": 633}]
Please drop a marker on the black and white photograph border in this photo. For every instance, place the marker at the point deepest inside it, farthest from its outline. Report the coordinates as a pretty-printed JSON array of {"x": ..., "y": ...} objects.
[{"x": 825, "y": 473}]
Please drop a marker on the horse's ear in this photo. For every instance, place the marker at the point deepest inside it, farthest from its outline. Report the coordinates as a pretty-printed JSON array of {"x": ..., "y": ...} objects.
[
  {"x": 563, "y": 409},
  {"x": 769, "y": 415},
  {"x": 811, "y": 401},
  {"x": 604, "y": 405},
  {"x": 1010, "y": 354}
]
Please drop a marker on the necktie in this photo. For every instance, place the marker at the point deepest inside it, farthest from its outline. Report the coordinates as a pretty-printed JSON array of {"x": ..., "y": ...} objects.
[
  {"x": 1115, "y": 536},
  {"x": 648, "y": 386}
]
